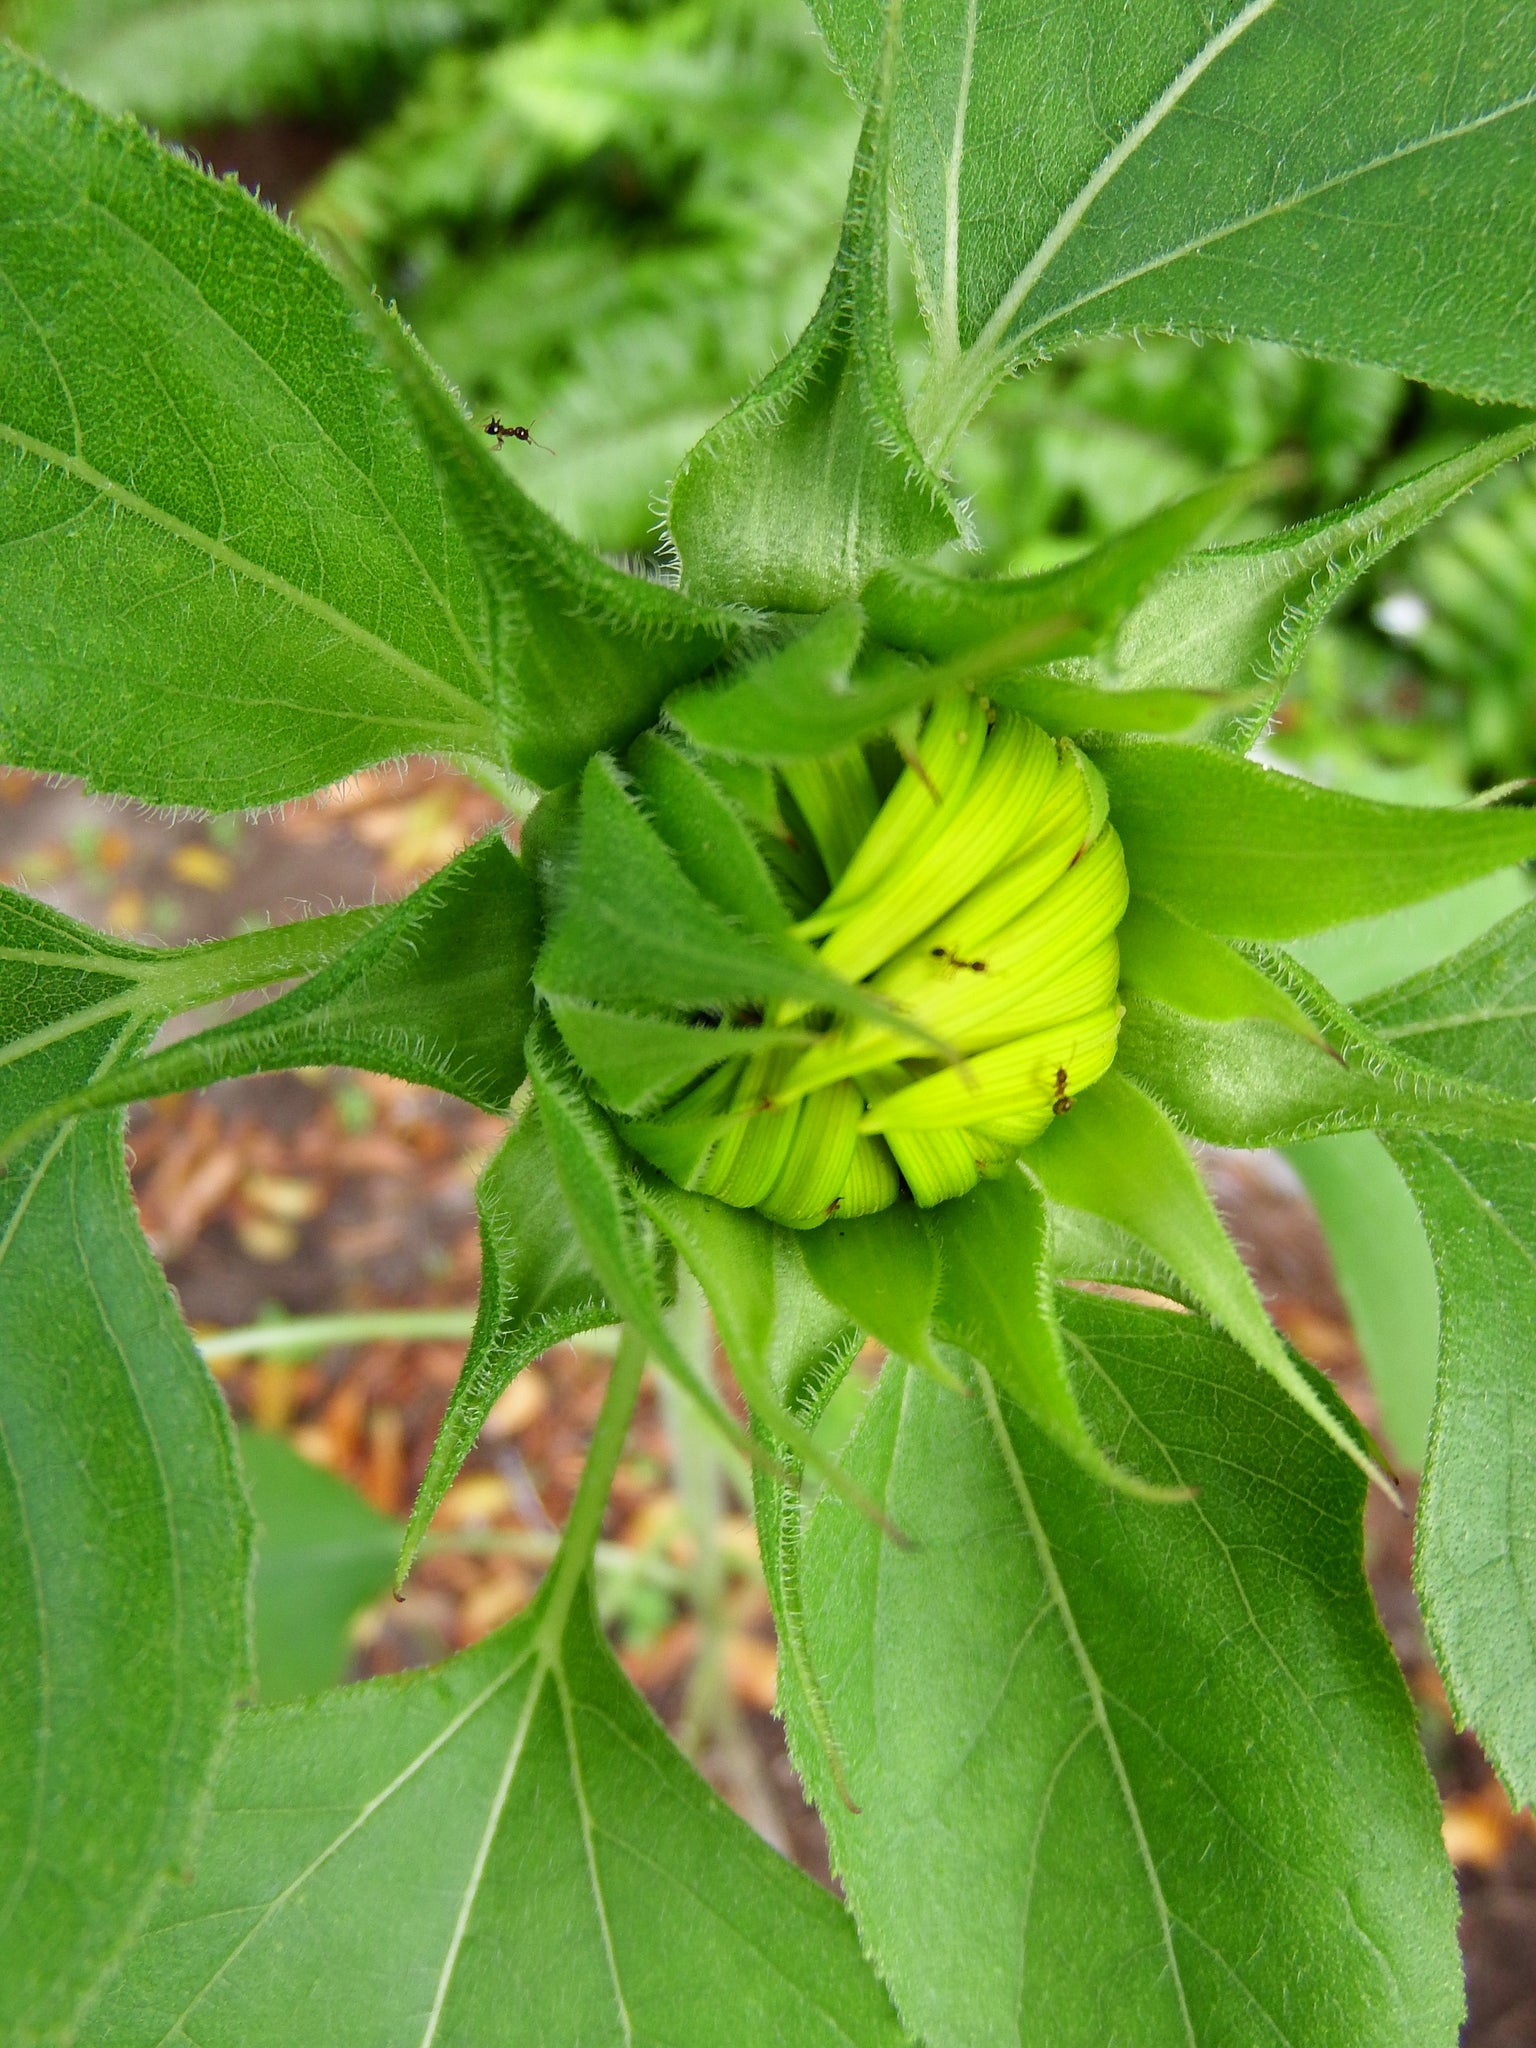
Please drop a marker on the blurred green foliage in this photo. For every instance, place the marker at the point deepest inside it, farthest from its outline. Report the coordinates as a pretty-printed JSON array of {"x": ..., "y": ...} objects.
[
  {"x": 1096, "y": 439},
  {"x": 612, "y": 226},
  {"x": 1461, "y": 605},
  {"x": 176, "y": 63}
]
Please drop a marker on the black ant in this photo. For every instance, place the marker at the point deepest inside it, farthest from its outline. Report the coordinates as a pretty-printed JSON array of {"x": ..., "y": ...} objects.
[
  {"x": 499, "y": 433},
  {"x": 1063, "y": 1101},
  {"x": 965, "y": 966}
]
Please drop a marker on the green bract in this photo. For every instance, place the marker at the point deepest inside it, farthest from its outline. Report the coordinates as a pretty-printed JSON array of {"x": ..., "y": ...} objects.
[{"x": 879, "y": 942}]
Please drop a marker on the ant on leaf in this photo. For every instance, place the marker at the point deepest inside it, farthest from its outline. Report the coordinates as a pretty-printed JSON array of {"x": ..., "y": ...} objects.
[{"x": 499, "y": 433}]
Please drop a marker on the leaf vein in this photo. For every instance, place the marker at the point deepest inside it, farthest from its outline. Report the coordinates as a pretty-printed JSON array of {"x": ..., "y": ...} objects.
[
  {"x": 354, "y": 1826},
  {"x": 482, "y": 1853},
  {"x": 1091, "y": 1681},
  {"x": 1300, "y": 197},
  {"x": 1109, "y": 167},
  {"x": 220, "y": 553},
  {"x": 584, "y": 1812}
]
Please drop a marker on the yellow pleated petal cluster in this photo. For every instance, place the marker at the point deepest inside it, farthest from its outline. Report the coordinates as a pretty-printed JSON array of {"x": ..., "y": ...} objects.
[{"x": 981, "y": 904}]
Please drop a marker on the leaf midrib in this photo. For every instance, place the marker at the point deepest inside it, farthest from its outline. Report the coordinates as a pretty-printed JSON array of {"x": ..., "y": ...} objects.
[
  {"x": 1300, "y": 197},
  {"x": 483, "y": 1848},
  {"x": 1088, "y": 1672},
  {"x": 1460, "y": 1020},
  {"x": 40, "y": 1172},
  {"x": 961, "y": 380},
  {"x": 1108, "y": 169},
  {"x": 241, "y": 566},
  {"x": 129, "y": 1004},
  {"x": 386, "y": 513},
  {"x": 354, "y": 1826},
  {"x": 589, "y": 1849}
]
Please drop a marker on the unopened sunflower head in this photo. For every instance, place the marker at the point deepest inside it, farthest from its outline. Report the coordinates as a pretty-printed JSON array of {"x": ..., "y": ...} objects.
[{"x": 977, "y": 900}]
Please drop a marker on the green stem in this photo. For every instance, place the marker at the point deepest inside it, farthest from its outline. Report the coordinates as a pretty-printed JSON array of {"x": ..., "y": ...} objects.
[
  {"x": 318, "y": 1333},
  {"x": 538, "y": 1546},
  {"x": 708, "y": 1709},
  {"x": 586, "y": 1517},
  {"x": 186, "y": 979},
  {"x": 193, "y": 975}
]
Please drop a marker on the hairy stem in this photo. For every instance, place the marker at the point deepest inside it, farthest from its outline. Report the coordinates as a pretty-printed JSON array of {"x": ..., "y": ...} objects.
[
  {"x": 306, "y": 1334},
  {"x": 586, "y": 1517},
  {"x": 303, "y": 1335}
]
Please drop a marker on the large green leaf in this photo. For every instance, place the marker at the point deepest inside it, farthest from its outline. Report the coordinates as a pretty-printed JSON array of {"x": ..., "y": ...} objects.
[
  {"x": 229, "y": 576},
  {"x": 505, "y": 1848},
  {"x": 241, "y": 560},
  {"x": 1122, "y": 1771},
  {"x": 435, "y": 989},
  {"x": 124, "y": 1539},
  {"x": 1477, "y": 1016},
  {"x": 1259, "y": 167}
]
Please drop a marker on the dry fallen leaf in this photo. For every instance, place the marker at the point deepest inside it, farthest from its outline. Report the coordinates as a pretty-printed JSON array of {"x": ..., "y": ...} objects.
[
  {"x": 423, "y": 833},
  {"x": 523, "y": 1402},
  {"x": 494, "y": 1601},
  {"x": 283, "y": 1196},
  {"x": 384, "y": 1477},
  {"x": 201, "y": 867},
  {"x": 654, "y": 1665},
  {"x": 1320, "y": 1337},
  {"x": 266, "y": 1240},
  {"x": 474, "y": 1497},
  {"x": 1478, "y": 1827},
  {"x": 752, "y": 1671},
  {"x": 126, "y": 910}
]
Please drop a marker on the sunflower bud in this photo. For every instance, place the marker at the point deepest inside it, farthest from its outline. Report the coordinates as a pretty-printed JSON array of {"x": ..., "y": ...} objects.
[{"x": 978, "y": 902}]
